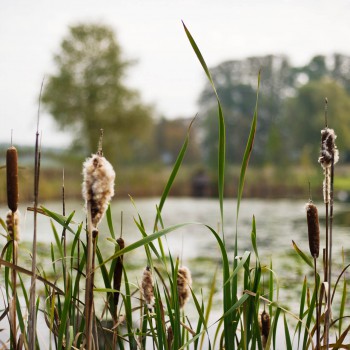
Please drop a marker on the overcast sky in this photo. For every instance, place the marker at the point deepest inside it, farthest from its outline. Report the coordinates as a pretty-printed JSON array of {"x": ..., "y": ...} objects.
[{"x": 167, "y": 74}]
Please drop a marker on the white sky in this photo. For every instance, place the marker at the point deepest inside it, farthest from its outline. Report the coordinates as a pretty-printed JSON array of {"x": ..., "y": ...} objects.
[{"x": 167, "y": 74}]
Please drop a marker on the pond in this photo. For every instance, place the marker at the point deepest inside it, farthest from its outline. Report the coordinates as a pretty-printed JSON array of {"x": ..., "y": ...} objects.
[{"x": 278, "y": 222}]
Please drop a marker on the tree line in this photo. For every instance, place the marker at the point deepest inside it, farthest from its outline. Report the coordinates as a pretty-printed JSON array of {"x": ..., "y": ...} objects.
[{"x": 87, "y": 92}]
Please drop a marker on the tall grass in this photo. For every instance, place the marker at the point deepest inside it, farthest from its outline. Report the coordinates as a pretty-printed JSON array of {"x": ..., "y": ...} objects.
[{"x": 89, "y": 301}]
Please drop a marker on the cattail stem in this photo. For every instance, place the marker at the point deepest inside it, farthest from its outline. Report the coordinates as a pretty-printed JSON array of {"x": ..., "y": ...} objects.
[
  {"x": 64, "y": 238},
  {"x": 89, "y": 281},
  {"x": 32, "y": 308},
  {"x": 117, "y": 278},
  {"x": 329, "y": 277},
  {"x": 14, "y": 284},
  {"x": 117, "y": 275},
  {"x": 317, "y": 309},
  {"x": 64, "y": 242},
  {"x": 329, "y": 155}
]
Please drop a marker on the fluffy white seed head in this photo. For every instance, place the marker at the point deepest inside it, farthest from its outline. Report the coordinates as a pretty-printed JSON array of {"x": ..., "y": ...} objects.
[
  {"x": 98, "y": 185},
  {"x": 12, "y": 224},
  {"x": 184, "y": 283},
  {"x": 329, "y": 151},
  {"x": 147, "y": 287}
]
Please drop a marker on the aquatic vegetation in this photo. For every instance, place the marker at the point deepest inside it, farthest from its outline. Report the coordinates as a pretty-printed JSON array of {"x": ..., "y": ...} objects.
[{"x": 89, "y": 301}]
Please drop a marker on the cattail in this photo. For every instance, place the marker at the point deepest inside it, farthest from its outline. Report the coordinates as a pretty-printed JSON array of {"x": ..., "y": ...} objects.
[
  {"x": 12, "y": 178},
  {"x": 313, "y": 229},
  {"x": 184, "y": 282},
  {"x": 98, "y": 186},
  {"x": 329, "y": 154},
  {"x": 170, "y": 337},
  {"x": 12, "y": 224},
  {"x": 329, "y": 151},
  {"x": 147, "y": 287},
  {"x": 118, "y": 271},
  {"x": 264, "y": 327}
]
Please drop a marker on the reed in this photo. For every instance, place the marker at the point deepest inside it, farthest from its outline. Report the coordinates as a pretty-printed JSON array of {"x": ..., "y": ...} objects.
[
  {"x": 12, "y": 178},
  {"x": 264, "y": 327},
  {"x": 147, "y": 287},
  {"x": 313, "y": 229},
  {"x": 98, "y": 189},
  {"x": 184, "y": 283},
  {"x": 12, "y": 228},
  {"x": 314, "y": 245},
  {"x": 329, "y": 156}
]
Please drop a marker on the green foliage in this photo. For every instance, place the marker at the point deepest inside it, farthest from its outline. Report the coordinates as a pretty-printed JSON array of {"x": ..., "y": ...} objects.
[
  {"x": 87, "y": 93},
  {"x": 304, "y": 117},
  {"x": 289, "y": 113}
]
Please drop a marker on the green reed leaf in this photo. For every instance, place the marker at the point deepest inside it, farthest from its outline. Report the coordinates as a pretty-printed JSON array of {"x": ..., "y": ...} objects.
[
  {"x": 287, "y": 334},
  {"x": 222, "y": 131},
  {"x": 342, "y": 306},
  {"x": 247, "y": 152},
  {"x": 253, "y": 238},
  {"x": 310, "y": 314},
  {"x": 173, "y": 174},
  {"x": 110, "y": 221},
  {"x": 143, "y": 241},
  {"x": 273, "y": 329},
  {"x": 209, "y": 305},
  {"x": 62, "y": 220},
  {"x": 64, "y": 318},
  {"x": 241, "y": 263},
  {"x": 302, "y": 255}
]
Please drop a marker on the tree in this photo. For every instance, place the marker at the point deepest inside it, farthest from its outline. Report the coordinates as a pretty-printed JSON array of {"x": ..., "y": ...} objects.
[
  {"x": 87, "y": 93},
  {"x": 305, "y": 118},
  {"x": 169, "y": 137},
  {"x": 236, "y": 83}
]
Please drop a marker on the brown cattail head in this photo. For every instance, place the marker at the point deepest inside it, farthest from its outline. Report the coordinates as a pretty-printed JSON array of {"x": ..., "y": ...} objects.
[
  {"x": 184, "y": 283},
  {"x": 98, "y": 185},
  {"x": 12, "y": 224},
  {"x": 329, "y": 151},
  {"x": 170, "y": 337},
  {"x": 147, "y": 287},
  {"x": 313, "y": 229},
  {"x": 121, "y": 243},
  {"x": 264, "y": 327},
  {"x": 12, "y": 178}
]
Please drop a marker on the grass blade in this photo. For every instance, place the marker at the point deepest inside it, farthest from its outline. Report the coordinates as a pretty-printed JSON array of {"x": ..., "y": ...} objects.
[
  {"x": 303, "y": 255},
  {"x": 144, "y": 241},
  {"x": 287, "y": 335},
  {"x": 222, "y": 131},
  {"x": 247, "y": 152},
  {"x": 173, "y": 174}
]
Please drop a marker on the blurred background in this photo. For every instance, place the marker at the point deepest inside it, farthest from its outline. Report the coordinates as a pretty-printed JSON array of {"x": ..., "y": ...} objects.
[{"x": 127, "y": 67}]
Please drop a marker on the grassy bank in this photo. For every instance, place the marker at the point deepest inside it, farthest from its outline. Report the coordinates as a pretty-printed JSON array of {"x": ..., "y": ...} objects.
[{"x": 261, "y": 182}]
